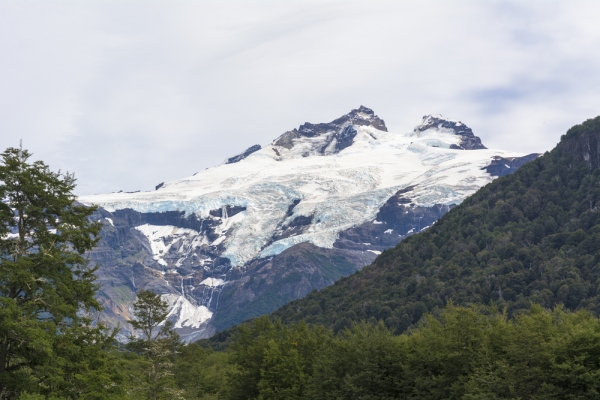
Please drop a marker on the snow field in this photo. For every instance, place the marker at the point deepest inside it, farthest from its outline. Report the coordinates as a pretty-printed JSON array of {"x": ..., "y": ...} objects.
[
  {"x": 184, "y": 313},
  {"x": 340, "y": 190}
]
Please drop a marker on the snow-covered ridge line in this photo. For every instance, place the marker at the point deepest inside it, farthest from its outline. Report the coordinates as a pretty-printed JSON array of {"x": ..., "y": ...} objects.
[
  {"x": 348, "y": 187},
  {"x": 464, "y": 135},
  {"x": 308, "y": 176}
]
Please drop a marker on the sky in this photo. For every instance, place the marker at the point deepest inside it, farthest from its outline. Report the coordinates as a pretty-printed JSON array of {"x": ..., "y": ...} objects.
[{"x": 128, "y": 94}]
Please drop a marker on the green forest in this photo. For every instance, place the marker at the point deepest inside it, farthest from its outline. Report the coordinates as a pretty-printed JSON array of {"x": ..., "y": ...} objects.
[
  {"x": 499, "y": 299},
  {"x": 459, "y": 353},
  {"x": 533, "y": 236}
]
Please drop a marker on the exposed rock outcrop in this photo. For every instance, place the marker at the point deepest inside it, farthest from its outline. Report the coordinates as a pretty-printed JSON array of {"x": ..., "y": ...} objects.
[
  {"x": 240, "y": 157},
  {"x": 468, "y": 140},
  {"x": 584, "y": 142},
  {"x": 501, "y": 166},
  {"x": 336, "y": 135}
]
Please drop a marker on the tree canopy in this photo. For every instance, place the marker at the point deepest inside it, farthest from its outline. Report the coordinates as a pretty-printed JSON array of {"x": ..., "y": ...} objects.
[
  {"x": 152, "y": 376},
  {"x": 461, "y": 353},
  {"x": 48, "y": 343}
]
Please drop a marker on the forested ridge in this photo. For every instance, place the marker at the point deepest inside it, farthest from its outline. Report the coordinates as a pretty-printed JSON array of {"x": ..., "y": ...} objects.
[
  {"x": 533, "y": 236},
  {"x": 462, "y": 353}
]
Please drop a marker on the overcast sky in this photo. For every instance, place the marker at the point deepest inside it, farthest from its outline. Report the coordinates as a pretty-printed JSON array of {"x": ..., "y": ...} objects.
[{"x": 129, "y": 94}]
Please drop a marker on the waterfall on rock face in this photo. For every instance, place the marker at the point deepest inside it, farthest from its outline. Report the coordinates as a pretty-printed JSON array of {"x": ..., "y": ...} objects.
[
  {"x": 203, "y": 295},
  {"x": 211, "y": 295},
  {"x": 220, "y": 290}
]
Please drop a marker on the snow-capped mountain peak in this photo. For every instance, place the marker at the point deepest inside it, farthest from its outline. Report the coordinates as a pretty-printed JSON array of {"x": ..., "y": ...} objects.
[
  {"x": 433, "y": 124},
  {"x": 274, "y": 186},
  {"x": 362, "y": 116},
  {"x": 326, "y": 138},
  {"x": 347, "y": 189}
]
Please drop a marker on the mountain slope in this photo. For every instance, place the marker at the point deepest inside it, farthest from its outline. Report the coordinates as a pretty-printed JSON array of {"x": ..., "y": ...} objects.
[
  {"x": 276, "y": 222},
  {"x": 533, "y": 236}
]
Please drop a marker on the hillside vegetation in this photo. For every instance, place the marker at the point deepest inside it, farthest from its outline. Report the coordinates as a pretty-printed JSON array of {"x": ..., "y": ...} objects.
[
  {"x": 533, "y": 236},
  {"x": 463, "y": 353}
]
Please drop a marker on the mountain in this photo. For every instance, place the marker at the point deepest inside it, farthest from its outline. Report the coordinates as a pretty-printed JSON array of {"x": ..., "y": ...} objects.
[
  {"x": 274, "y": 223},
  {"x": 533, "y": 236}
]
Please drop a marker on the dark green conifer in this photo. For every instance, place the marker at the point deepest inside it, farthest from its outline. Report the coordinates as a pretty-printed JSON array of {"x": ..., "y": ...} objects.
[
  {"x": 47, "y": 287},
  {"x": 153, "y": 377}
]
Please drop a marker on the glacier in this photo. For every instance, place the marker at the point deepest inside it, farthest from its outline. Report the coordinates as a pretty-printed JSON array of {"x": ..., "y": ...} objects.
[
  {"x": 218, "y": 241},
  {"x": 339, "y": 190}
]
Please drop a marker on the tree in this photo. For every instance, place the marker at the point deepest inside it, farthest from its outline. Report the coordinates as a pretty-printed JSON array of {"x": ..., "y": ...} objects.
[
  {"x": 281, "y": 374},
  {"x": 272, "y": 360},
  {"x": 150, "y": 311},
  {"x": 157, "y": 344},
  {"x": 202, "y": 372},
  {"x": 46, "y": 284}
]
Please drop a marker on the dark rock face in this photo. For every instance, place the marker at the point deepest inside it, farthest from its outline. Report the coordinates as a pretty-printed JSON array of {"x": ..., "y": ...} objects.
[
  {"x": 127, "y": 263},
  {"x": 243, "y": 155},
  {"x": 344, "y": 138},
  {"x": 584, "y": 142},
  {"x": 227, "y": 211},
  {"x": 340, "y": 130},
  {"x": 296, "y": 227},
  {"x": 468, "y": 139},
  {"x": 362, "y": 116},
  {"x": 269, "y": 283},
  {"x": 396, "y": 220},
  {"x": 501, "y": 166}
]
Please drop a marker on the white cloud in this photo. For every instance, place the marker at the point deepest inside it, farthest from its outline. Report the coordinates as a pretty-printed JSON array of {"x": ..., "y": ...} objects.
[{"x": 129, "y": 94}]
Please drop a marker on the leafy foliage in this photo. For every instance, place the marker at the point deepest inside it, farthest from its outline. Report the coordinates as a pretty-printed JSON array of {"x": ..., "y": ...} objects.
[
  {"x": 463, "y": 352},
  {"x": 202, "y": 373},
  {"x": 149, "y": 312},
  {"x": 48, "y": 344},
  {"x": 152, "y": 375},
  {"x": 273, "y": 361},
  {"x": 533, "y": 236}
]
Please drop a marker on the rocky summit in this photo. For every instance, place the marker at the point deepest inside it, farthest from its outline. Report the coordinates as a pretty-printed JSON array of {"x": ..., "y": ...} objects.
[
  {"x": 467, "y": 140},
  {"x": 274, "y": 223}
]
